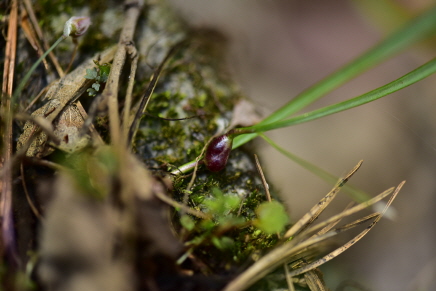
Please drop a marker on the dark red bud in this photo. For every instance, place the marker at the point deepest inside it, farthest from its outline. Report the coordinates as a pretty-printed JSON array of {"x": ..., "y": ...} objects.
[{"x": 217, "y": 153}]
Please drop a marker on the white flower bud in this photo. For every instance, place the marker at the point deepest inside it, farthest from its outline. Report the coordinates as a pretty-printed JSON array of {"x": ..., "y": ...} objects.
[{"x": 76, "y": 26}]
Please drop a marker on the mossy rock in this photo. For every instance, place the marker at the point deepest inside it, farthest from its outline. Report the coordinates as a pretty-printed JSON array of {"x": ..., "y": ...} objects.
[
  {"x": 195, "y": 82},
  {"x": 196, "y": 88}
]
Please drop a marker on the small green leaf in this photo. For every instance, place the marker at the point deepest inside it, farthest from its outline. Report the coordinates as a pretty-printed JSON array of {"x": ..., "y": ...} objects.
[
  {"x": 91, "y": 74},
  {"x": 230, "y": 220},
  {"x": 216, "y": 205},
  {"x": 103, "y": 78},
  {"x": 91, "y": 92},
  {"x": 271, "y": 217},
  {"x": 217, "y": 192},
  {"x": 207, "y": 224},
  {"x": 96, "y": 86},
  {"x": 104, "y": 72},
  {"x": 187, "y": 222},
  {"x": 198, "y": 240},
  {"x": 222, "y": 243},
  {"x": 222, "y": 204},
  {"x": 232, "y": 202}
]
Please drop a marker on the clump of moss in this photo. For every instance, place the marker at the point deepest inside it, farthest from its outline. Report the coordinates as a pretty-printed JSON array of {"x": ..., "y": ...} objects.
[
  {"x": 182, "y": 93},
  {"x": 170, "y": 143},
  {"x": 194, "y": 83}
]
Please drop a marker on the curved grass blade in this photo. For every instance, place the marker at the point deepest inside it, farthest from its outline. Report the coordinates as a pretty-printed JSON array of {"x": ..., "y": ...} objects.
[
  {"x": 418, "y": 29},
  {"x": 357, "y": 194},
  {"x": 400, "y": 83},
  {"x": 411, "y": 33}
]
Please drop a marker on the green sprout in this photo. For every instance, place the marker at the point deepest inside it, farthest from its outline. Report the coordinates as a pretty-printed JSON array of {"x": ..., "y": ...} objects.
[
  {"x": 227, "y": 230},
  {"x": 99, "y": 74}
]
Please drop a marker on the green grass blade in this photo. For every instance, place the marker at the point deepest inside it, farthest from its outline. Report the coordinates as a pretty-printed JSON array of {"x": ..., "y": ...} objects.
[
  {"x": 400, "y": 83},
  {"x": 26, "y": 78},
  {"x": 416, "y": 30},
  {"x": 355, "y": 193}
]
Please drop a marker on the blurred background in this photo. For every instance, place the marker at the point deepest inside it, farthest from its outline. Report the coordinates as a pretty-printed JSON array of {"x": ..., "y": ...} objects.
[{"x": 279, "y": 48}]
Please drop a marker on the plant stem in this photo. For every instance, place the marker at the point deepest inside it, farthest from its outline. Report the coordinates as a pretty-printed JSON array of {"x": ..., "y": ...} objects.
[
  {"x": 400, "y": 83},
  {"x": 26, "y": 78},
  {"x": 411, "y": 33}
]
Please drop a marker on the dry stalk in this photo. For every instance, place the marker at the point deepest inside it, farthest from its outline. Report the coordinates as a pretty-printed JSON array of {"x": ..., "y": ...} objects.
[
  {"x": 329, "y": 226},
  {"x": 31, "y": 37},
  {"x": 289, "y": 280},
  {"x": 314, "y": 281},
  {"x": 262, "y": 177},
  {"x": 320, "y": 206},
  {"x": 145, "y": 99},
  {"x": 194, "y": 172},
  {"x": 110, "y": 93},
  {"x": 349, "y": 243},
  {"x": 38, "y": 97},
  {"x": 31, "y": 13},
  {"x": 268, "y": 197},
  {"x": 304, "y": 239},
  {"x": 29, "y": 200},
  {"x": 7, "y": 226},
  {"x": 128, "y": 102},
  {"x": 183, "y": 207},
  {"x": 133, "y": 180},
  {"x": 350, "y": 211}
]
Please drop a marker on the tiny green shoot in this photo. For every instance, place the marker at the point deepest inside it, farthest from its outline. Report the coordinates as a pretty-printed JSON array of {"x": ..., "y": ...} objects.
[{"x": 100, "y": 73}]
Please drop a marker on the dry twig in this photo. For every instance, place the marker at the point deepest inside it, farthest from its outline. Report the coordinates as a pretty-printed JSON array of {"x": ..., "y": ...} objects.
[
  {"x": 320, "y": 206},
  {"x": 145, "y": 99},
  {"x": 31, "y": 13},
  {"x": 7, "y": 231},
  {"x": 304, "y": 239},
  {"x": 110, "y": 93}
]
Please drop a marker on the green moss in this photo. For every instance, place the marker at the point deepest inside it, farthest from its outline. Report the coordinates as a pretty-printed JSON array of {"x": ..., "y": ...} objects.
[
  {"x": 193, "y": 84},
  {"x": 235, "y": 222}
]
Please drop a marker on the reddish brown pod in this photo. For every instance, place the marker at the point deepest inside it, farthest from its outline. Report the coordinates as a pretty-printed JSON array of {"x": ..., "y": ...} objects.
[{"x": 217, "y": 152}]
